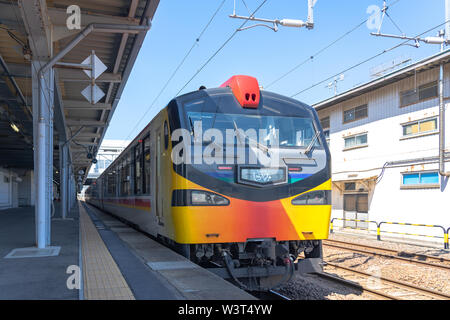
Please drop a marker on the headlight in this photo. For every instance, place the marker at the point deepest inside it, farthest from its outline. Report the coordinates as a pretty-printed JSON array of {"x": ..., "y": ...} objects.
[
  {"x": 204, "y": 198},
  {"x": 321, "y": 197},
  {"x": 183, "y": 198}
]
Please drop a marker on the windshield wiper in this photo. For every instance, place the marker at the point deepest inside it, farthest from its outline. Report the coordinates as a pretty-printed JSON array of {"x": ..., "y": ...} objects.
[
  {"x": 259, "y": 145},
  {"x": 311, "y": 144},
  {"x": 192, "y": 126}
]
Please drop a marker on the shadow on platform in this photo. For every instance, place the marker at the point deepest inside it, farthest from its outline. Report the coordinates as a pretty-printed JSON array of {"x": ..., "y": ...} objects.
[{"x": 40, "y": 277}]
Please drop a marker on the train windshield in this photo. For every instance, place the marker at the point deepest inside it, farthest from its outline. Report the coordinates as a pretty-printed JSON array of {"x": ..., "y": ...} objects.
[{"x": 270, "y": 130}]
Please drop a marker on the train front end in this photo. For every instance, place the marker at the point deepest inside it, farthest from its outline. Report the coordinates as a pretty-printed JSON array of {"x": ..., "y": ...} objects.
[{"x": 251, "y": 183}]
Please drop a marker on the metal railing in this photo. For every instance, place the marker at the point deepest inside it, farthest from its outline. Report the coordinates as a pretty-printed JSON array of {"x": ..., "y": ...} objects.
[
  {"x": 379, "y": 224},
  {"x": 355, "y": 220}
]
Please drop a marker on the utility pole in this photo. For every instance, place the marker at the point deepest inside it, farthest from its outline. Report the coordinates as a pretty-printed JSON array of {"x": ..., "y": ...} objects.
[
  {"x": 443, "y": 38},
  {"x": 334, "y": 83}
]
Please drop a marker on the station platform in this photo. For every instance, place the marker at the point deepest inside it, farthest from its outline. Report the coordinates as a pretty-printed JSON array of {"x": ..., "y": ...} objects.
[
  {"x": 37, "y": 277},
  {"x": 117, "y": 262}
]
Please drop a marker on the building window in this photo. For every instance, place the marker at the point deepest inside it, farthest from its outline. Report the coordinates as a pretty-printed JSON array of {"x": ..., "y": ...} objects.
[
  {"x": 325, "y": 123},
  {"x": 349, "y": 186},
  {"x": 355, "y": 113},
  {"x": 425, "y": 91},
  {"x": 326, "y": 133},
  {"x": 359, "y": 140},
  {"x": 421, "y": 126},
  {"x": 420, "y": 179}
]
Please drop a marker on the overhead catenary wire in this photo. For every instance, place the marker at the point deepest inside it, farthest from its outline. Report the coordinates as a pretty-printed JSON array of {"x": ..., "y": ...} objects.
[
  {"x": 366, "y": 60},
  {"x": 311, "y": 57},
  {"x": 196, "y": 41},
  {"x": 220, "y": 48}
]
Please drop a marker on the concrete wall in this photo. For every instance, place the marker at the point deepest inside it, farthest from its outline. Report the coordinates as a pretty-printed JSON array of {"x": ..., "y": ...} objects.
[
  {"x": 8, "y": 196},
  {"x": 16, "y": 188},
  {"x": 387, "y": 200},
  {"x": 26, "y": 189}
]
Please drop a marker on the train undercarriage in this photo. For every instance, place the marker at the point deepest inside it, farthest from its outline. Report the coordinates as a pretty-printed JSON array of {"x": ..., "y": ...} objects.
[{"x": 258, "y": 264}]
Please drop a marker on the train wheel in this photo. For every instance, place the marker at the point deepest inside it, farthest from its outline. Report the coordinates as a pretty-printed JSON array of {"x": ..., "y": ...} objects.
[{"x": 317, "y": 250}]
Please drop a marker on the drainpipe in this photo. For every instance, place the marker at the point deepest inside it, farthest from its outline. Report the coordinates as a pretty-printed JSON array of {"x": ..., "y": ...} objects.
[{"x": 442, "y": 118}]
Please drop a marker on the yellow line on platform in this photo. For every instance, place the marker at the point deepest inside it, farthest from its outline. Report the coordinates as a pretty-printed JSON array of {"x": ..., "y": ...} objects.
[{"x": 101, "y": 276}]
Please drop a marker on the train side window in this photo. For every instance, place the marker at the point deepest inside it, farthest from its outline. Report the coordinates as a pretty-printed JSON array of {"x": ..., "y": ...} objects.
[
  {"x": 158, "y": 155},
  {"x": 138, "y": 168},
  {"x": 104, "y": 182},
  {"x": 111, "y": 178},
  {"x": 116, "y": 173},
  {"x": 121, "y": 177},
  {"x": 125, "y": 176},
  {"x": 166, "y": 135},
  {"x": 146, "y": 165},
  {"x": 128, "y": 174}
]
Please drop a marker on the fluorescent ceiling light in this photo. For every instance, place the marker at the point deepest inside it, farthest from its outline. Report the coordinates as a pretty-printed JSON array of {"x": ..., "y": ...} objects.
[{"x": 14, "y": 127}]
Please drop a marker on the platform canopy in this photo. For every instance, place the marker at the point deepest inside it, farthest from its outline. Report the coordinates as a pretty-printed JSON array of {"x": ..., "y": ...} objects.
[{"x": 37, "y": 30}]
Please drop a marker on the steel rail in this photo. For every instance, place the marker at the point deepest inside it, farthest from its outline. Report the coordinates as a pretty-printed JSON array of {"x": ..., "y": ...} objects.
[
  {"x": 356, "y": 286},
  {"x": 398, "y": 283},
  {"x": 269, "y": 295},
  {"x": 422, "y": 263},
  {"x": 419, "y": 255}
]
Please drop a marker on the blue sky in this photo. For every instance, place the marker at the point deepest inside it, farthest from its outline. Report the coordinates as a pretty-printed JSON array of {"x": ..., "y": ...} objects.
[{"x": 262, "y": 53}]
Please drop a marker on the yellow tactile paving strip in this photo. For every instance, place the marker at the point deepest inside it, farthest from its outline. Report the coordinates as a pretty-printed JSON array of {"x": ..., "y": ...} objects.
[{"x": 102, "y": 278}]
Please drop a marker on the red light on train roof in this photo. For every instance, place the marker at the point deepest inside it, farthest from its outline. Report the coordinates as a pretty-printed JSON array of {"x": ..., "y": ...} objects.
[
  {"x": 224, "y": 168},
  {"x": 245, "y": 89}
]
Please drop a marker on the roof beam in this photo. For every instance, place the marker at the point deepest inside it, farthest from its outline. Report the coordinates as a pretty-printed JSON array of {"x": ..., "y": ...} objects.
[
  {"x": 74, "y": 76},
  {"x": 86, "y": 123},
  {"x": 88, "y": 135},
  {"x": 85, "y": 144},
  {"x": 38, "y": 27},
  {"x": 83, "y": 104},
  {"x": 20, "y": 70}
]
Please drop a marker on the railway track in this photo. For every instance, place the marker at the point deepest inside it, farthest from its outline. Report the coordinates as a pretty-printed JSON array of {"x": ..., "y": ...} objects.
[
  {"x": 382, "y": 287},
  {"x": 419, "y": 259},
  {"x": 269, "y": 295},
  {"x": 356, "y": 285}
]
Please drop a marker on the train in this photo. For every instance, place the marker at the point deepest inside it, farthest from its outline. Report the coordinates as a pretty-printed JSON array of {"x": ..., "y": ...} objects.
[{"x": 234, "y": 178}]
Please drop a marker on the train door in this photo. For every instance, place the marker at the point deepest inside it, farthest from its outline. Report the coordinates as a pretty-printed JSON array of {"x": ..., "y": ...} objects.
[
  {"x": 157, "y": 178},
  {"x": 356, "y": 208}
]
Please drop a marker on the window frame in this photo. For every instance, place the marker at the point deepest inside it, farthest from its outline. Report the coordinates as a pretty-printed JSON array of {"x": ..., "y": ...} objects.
[
  {"x": 354, "y": 113},
  {"x": 417, "y": 91},
  {"x": 420, "y": 185},
  {"x": 146, "y": 185},
  {"x": 420, "y": 134},
  {"x": 138, "y": 159},
  {"x": 326, "y": 120},
  {"x": 359, "y": 145}
]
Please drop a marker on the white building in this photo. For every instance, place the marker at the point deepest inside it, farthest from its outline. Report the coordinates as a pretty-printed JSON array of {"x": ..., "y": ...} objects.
[
  {"x": 384, "y": 142},
  {"x": 107, "y": 153}
]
